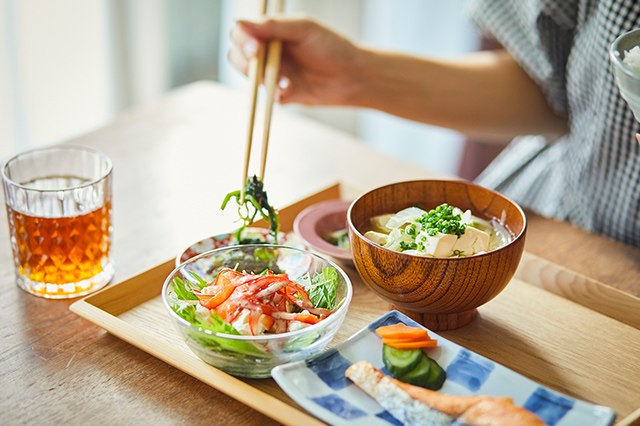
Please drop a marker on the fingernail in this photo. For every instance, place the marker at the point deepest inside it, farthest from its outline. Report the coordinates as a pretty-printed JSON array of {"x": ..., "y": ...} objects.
[
  {"x": 284, "y": 83},
  {"x": 250, "y": 48}
]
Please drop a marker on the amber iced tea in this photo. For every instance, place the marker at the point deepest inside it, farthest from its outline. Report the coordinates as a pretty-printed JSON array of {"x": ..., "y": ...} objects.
[
  {"x": 62, "y": 250},
  {"x": 58, "y": 204}
]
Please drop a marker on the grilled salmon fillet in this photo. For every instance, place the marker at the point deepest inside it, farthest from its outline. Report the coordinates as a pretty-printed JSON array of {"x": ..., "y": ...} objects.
[{"x": 413, "y": 405}]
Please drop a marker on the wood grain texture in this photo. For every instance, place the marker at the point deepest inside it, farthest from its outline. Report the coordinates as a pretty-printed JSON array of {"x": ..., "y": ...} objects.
[
  {"x": 171, "y": 173},
  {"x": 595, "y": 256},
  {"x": 172, "y": 169},
  {"x": 632, "y": 419},
  {"x": 441, "y": 293},
  {"x": 519, "y": 329},
  {"x": 586, "y": 291}
]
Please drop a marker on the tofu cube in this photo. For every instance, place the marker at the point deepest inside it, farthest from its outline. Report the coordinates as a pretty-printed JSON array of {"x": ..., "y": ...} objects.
[
  {"x": 440, "y": 245},
  {"x": 404, "y": 217},
  {"x": 471, "y": 242},
  {"x": 379, "y": 223},
  {"x": 395, "y": 238},
  {"x": 376, "y": 237}
]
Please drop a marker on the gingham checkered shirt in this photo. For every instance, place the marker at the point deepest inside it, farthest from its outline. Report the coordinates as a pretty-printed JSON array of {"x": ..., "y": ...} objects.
[{"x": 590, "y": 177}]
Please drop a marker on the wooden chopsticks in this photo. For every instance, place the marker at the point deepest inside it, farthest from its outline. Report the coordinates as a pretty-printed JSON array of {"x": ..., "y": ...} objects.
[{"x": 256, "y": 70}]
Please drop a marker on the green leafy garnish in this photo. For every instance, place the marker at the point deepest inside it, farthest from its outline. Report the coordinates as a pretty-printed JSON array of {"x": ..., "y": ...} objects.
[
  {"x": 266, "y": 254},
  {"x": 322, "y": 289},
  {"x": 442, "y": 220},
  {"x": 253, "y": 202},
  {"x": 408, "y": 246},
  {"x": 339, "y": 238},
  {"x": 183, "y": 290},
  {"x": 214, "y": 323}
]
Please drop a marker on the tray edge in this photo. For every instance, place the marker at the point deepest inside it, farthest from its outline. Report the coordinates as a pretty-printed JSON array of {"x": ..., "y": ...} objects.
[
  {"x": 252, "y": 397},
  {"x": 533, "y": 269},
  {"x": 579, "y": 288}
]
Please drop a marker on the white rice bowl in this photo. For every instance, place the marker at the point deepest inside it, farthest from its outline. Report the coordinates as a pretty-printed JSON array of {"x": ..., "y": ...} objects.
[{"x": 632, "y": 58}]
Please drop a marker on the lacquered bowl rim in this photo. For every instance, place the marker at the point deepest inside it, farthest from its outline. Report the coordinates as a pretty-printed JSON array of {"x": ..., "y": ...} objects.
[{"x": 517, "y": 238}]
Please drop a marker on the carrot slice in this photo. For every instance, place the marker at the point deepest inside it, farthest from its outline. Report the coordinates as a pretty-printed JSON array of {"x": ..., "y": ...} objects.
[
  {"x": 307, "y": 318},
  {"x": 402, "y": 331},
  {"x": 267, "y": 321},
  {"x": 410, "y": 344}
]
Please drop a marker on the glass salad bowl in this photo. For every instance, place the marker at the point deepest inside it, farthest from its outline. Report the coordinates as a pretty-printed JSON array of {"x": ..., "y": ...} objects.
[{"x": 242, "y": 347}]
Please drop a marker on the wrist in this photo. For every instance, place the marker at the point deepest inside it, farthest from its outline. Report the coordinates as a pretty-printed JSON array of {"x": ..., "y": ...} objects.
[
  {"x": 380, "y": 78},
  {"x": 359, "y": 83}
]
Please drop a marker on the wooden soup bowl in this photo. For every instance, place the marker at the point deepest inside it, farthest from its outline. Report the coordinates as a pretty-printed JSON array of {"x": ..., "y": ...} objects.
[{"x": 440, "y": 293}]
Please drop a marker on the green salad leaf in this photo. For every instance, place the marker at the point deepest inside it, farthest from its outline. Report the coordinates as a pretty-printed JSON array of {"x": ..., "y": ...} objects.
[
  {"x": 183, "y": 290},
  {"x": 214, "y": 324},
  {"x": 322, "y": 288},
  {"x": 339, "y": 238}
]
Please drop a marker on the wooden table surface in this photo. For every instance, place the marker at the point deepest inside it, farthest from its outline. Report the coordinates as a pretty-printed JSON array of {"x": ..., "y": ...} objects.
[{"x": 173, "y": 163}]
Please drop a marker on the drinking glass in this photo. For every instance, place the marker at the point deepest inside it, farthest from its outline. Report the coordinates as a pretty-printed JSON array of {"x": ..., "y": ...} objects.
[{"x": 58, "y": 202}]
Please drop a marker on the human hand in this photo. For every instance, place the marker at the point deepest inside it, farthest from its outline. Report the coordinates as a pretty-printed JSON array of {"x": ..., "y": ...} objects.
[{"x": 318, "y": 66}]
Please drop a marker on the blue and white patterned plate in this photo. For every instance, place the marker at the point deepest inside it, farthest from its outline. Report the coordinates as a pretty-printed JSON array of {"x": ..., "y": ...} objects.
[{"x": 320, "y": 386}]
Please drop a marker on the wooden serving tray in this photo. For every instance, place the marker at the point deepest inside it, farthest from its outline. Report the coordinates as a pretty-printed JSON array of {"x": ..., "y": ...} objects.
[{"x": 550, "y": 324}]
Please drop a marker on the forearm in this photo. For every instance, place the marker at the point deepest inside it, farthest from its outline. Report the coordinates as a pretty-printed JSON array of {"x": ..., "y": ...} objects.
[{"x": 483, "y": 94}]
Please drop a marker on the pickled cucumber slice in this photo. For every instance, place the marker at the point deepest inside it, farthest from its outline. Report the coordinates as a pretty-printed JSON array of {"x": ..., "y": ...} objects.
[
  {"x": 427, "y": 374},
  {"x": 420, "y": 375},
  {"x": 400, "y": 361},
  {"x": 437, "y": 376}
]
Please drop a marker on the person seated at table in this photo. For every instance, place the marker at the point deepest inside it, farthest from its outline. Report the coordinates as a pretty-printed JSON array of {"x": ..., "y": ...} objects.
[{"x": 573, "y": 156}]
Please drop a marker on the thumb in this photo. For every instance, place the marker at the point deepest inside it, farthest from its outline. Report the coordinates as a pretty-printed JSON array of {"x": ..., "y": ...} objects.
[{"x": 285, "y": 29}]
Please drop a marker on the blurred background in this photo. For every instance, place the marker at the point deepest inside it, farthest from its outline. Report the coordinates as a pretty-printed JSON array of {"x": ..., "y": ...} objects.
[{"x": 69, "y": 66}]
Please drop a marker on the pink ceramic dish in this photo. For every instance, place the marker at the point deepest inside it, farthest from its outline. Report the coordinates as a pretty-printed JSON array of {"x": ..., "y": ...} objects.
[{"x": 316, "y": 222}]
